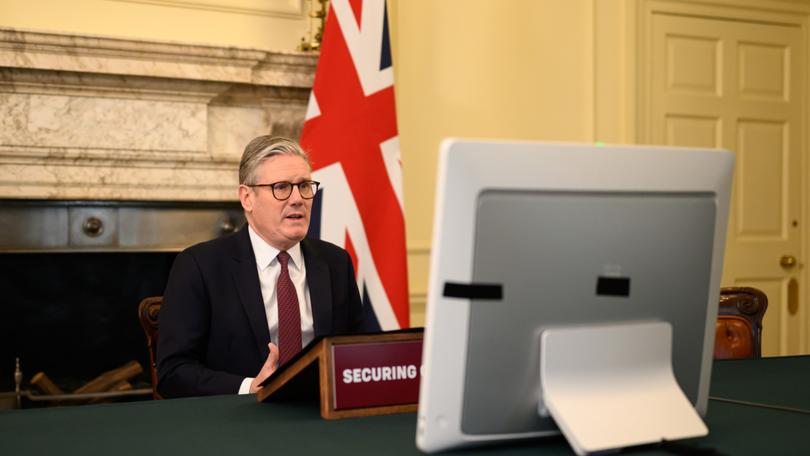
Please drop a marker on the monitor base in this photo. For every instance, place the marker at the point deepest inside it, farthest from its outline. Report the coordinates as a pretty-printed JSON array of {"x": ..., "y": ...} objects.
[{"x": 612, "y": 386}]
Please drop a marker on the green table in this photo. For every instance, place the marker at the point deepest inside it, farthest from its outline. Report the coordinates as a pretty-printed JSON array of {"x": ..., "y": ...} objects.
[{"x": 239, "y": 425}]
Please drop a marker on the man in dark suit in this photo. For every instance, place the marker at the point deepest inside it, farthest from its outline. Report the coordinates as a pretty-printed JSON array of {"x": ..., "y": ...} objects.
[{"x": 238, "y": 306}]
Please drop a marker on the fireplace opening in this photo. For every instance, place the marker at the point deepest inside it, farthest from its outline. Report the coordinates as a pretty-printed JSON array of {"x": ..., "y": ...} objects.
[
  {"x": 74, "y": 315},
  {"x": 72, "y": 275}
]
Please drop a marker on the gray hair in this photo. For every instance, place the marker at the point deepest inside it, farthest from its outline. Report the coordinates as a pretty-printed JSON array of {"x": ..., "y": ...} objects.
[{"x": 262, "y": 148}]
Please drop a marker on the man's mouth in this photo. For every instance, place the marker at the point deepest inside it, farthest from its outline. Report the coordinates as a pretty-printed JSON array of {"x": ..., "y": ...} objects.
[{"x": 295, "y": 216}]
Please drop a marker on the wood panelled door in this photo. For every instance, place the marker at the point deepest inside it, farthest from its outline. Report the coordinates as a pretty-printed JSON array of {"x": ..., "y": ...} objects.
[{"x": 738, "y": 85}]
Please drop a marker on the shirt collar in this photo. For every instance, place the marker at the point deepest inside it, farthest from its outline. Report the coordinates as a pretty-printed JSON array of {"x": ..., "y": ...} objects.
[{"x": 266, "y": 253}]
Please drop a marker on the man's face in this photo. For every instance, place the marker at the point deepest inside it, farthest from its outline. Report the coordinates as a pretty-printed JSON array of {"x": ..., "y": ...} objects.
[{"x": 281, "y": 224}]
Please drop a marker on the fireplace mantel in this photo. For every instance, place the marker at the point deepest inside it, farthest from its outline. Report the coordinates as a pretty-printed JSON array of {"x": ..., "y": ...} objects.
[{"x": 88, "y": 117}]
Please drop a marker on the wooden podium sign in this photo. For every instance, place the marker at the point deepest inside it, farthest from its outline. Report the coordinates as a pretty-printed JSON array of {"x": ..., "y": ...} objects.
[{"x": 355, "y": 375}]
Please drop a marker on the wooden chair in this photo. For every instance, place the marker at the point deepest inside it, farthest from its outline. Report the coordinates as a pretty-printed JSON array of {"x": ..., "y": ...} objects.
[
  {"x": 148, "y": 311},
  {"x": 738, "y": 333}
]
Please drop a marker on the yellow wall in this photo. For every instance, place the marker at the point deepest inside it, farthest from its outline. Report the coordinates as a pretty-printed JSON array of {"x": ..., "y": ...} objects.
[{"x": 519, "y": 69}]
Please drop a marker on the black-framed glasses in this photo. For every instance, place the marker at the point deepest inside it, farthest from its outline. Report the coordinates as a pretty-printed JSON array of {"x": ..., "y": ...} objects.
[{"x": 282, "y": 190}]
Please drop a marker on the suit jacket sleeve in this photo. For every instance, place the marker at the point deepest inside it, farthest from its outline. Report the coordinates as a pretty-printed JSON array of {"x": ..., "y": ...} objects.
[{"x": 185, "y": 318}]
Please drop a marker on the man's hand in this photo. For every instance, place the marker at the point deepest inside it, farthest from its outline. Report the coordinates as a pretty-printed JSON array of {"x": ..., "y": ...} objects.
[{"x": 270, "y": 366}]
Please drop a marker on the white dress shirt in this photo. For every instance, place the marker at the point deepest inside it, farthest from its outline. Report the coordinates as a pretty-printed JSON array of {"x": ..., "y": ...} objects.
[{"x": 268, "y": 267}]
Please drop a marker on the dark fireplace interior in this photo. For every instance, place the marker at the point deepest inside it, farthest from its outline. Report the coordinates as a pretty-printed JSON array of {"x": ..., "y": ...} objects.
[
  {"x": 72, "y": 274},
  {"x": 74, "y": 315}
]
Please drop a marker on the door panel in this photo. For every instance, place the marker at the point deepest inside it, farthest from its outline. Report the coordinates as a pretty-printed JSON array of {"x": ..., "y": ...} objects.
[
  {"x": 694, "y": 65},
  {"x": 762, "y": 155},
  {"x": 755, "y": 84}
]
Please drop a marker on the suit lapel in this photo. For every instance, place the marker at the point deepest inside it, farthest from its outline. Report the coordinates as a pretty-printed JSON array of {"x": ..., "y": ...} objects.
[
  {"x": 246, "y": 280},
  {"x": 320, "y": 292}
]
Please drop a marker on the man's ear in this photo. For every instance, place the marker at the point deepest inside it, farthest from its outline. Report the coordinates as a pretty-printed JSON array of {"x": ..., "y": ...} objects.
[{"x": 246, "y": 198}]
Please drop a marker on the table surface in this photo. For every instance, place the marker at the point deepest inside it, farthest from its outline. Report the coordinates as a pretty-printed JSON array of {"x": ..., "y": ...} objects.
[{"x": 240, "y": 425}]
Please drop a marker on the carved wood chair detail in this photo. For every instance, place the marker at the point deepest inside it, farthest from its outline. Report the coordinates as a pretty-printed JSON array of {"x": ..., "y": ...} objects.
[
  {"x": 738, "y": 332},
  {"x": 148, "y": 312}
]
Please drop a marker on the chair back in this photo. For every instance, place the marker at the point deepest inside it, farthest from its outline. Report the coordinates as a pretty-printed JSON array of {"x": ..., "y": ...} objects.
[
  {"x": 738, "y": 333},
  {"x": 148, "y": 311}
]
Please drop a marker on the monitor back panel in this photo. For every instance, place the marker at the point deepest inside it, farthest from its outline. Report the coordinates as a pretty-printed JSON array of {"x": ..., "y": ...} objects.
[{"x": 649, "y": 256}]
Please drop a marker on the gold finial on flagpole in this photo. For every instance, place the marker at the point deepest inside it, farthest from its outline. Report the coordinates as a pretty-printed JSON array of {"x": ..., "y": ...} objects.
[{"x": 314, "y": 43}]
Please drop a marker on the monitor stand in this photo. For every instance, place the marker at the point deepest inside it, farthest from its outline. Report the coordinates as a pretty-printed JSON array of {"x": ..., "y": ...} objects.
[{"x": 612, "y": 386}]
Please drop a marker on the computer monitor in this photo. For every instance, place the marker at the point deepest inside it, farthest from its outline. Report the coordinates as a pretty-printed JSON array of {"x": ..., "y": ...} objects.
[{"x": 532, "y": 238}]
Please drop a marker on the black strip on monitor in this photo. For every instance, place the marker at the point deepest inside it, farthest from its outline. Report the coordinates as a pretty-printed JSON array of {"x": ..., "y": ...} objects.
[
  {"x": 473, "y": 291},
  {"x": 613, "y": 286}
]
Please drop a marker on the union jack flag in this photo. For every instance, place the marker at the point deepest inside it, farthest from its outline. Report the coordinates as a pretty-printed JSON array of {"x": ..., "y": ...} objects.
[{"x": 350, "y": 133}]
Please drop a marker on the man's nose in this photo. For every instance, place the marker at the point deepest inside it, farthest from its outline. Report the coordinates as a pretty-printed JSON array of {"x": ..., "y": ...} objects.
[{"x": 295, "y": 195}]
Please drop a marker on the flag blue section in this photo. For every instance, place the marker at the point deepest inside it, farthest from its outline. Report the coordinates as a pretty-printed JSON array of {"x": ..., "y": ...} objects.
[
  {"x": 385, "y": 55},
  {"x": 314, "y": 231}
]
